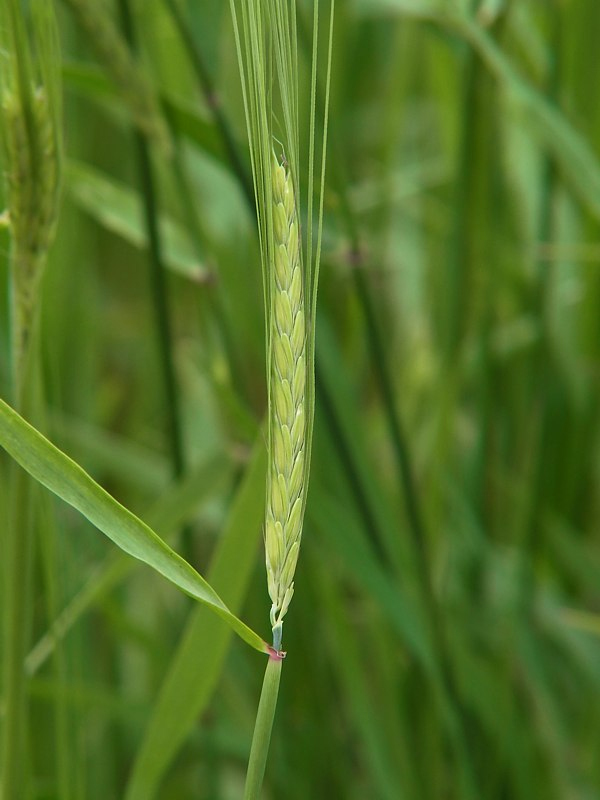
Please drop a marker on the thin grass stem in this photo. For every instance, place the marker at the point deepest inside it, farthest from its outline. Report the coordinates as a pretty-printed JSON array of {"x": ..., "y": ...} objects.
[
  {"x": 17, "y": 568},
  {"x": 262, "y": 729},
  {"x": 159, "y": 289}
]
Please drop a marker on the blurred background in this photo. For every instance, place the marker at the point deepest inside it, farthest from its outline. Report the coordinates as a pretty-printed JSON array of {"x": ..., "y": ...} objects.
[{"x": 444, "y": 639}]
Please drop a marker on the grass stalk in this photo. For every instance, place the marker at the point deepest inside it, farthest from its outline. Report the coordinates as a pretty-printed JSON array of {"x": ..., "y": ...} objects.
[
  {"x": 160, "y": 303},
  {"x": 210, "y": 299},
  {"x": 546, "y": 380},
  {"x": 159, "y": 288},
  {"x": 339, "y": 439},
  {"x": 262, "y": 729},
  {"x": 17, "y": 605}
]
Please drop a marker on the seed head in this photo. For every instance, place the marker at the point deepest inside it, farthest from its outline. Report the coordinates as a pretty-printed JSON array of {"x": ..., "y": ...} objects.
[{"x": 285, "y": 491}]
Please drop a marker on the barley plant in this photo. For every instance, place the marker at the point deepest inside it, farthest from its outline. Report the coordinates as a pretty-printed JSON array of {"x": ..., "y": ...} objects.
[
  {"x": 287, "y": 401},
  {"x": 266, "y": 41},
  {"x": 267, "y": 53},
  {"x": 412, "y": 453}
]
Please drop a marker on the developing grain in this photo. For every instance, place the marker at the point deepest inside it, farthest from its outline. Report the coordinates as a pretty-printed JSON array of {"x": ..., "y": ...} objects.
[{"x": 287, "y": 357}]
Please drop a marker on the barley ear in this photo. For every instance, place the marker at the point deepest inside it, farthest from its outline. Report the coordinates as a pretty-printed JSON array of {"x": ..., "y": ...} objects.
[
  {"x": 266, "y": 41},
  {"x": 287, "y": 385}
]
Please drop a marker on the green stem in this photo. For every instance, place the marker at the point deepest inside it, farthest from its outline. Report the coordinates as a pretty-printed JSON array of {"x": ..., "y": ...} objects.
[
  {"x": 262, "y": 729},
  {"x": 160, "y": 303},
  {"x": 339, "y": 439},
  {"x": 545, "y": 380},
  {"x": 159, "y": 288},
  {"x": 17, "y": 563},
  {"x": 211, "y": 301}
]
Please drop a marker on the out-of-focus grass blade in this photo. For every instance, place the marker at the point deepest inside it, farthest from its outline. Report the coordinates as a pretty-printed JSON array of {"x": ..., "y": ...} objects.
[
  {"x": 57, "y": 472},
  {"x": 420, "y": 9},
  {"x": 339, "y": 531},
  {"x": 88, "y": 699},
  {"x": 118, "y": 208},
  {"x": 489, "y": 10},
  {"x": 352, "y": 673},
  {"x": 548, "y": 712},
  {"x": 581, "y": 620},
  {"x": 481, "y": 676},
  {"x": 578, "y": 561},
  {"x": 550, "y": 127},
  {"x": 198, "y": 661},
  {"x": 341, "y": 391}
]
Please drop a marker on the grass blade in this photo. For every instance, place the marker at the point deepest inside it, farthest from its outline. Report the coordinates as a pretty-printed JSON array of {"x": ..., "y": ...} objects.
[
  {"x": 117, "y": 208},
  {"x": 57, "y": 472}
]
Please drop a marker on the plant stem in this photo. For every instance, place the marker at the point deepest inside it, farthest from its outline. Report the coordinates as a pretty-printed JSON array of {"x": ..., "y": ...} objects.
[
  {"x": 159, "y": 288},
  {"x": 161, "y": 305},
  {"x": 210, "y": 299},
  {"x": 339, "y": 439},
  {"x": 17, "y": 563},
  {"x": 546, "y": 382},
  {"x": 262, "y": 729}
]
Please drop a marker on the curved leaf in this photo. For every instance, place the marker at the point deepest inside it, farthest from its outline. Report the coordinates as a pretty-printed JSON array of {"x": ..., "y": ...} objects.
[{"x": 59, "y": 473}]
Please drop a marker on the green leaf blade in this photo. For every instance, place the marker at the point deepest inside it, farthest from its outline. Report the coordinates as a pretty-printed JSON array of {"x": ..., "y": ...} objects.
[
  {"x": 63, "y": 476},
  {"x": 118, "y": 209}
]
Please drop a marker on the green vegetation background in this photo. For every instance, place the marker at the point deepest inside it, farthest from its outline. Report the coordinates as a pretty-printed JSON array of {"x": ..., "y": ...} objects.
[{"x": 444, "y": 636}]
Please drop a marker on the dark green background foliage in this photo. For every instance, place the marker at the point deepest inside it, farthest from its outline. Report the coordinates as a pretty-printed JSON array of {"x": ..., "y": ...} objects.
[{"x": 443, "y": 641}]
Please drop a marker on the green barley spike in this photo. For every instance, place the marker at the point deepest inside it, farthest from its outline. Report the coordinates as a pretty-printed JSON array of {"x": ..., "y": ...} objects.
[
  {"x": 265, "y": 36},
  {"x": 287, "y": 364}
]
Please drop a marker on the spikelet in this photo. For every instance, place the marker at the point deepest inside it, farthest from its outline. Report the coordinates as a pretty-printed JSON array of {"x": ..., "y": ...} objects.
[{"x": 287, "y": 365}]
